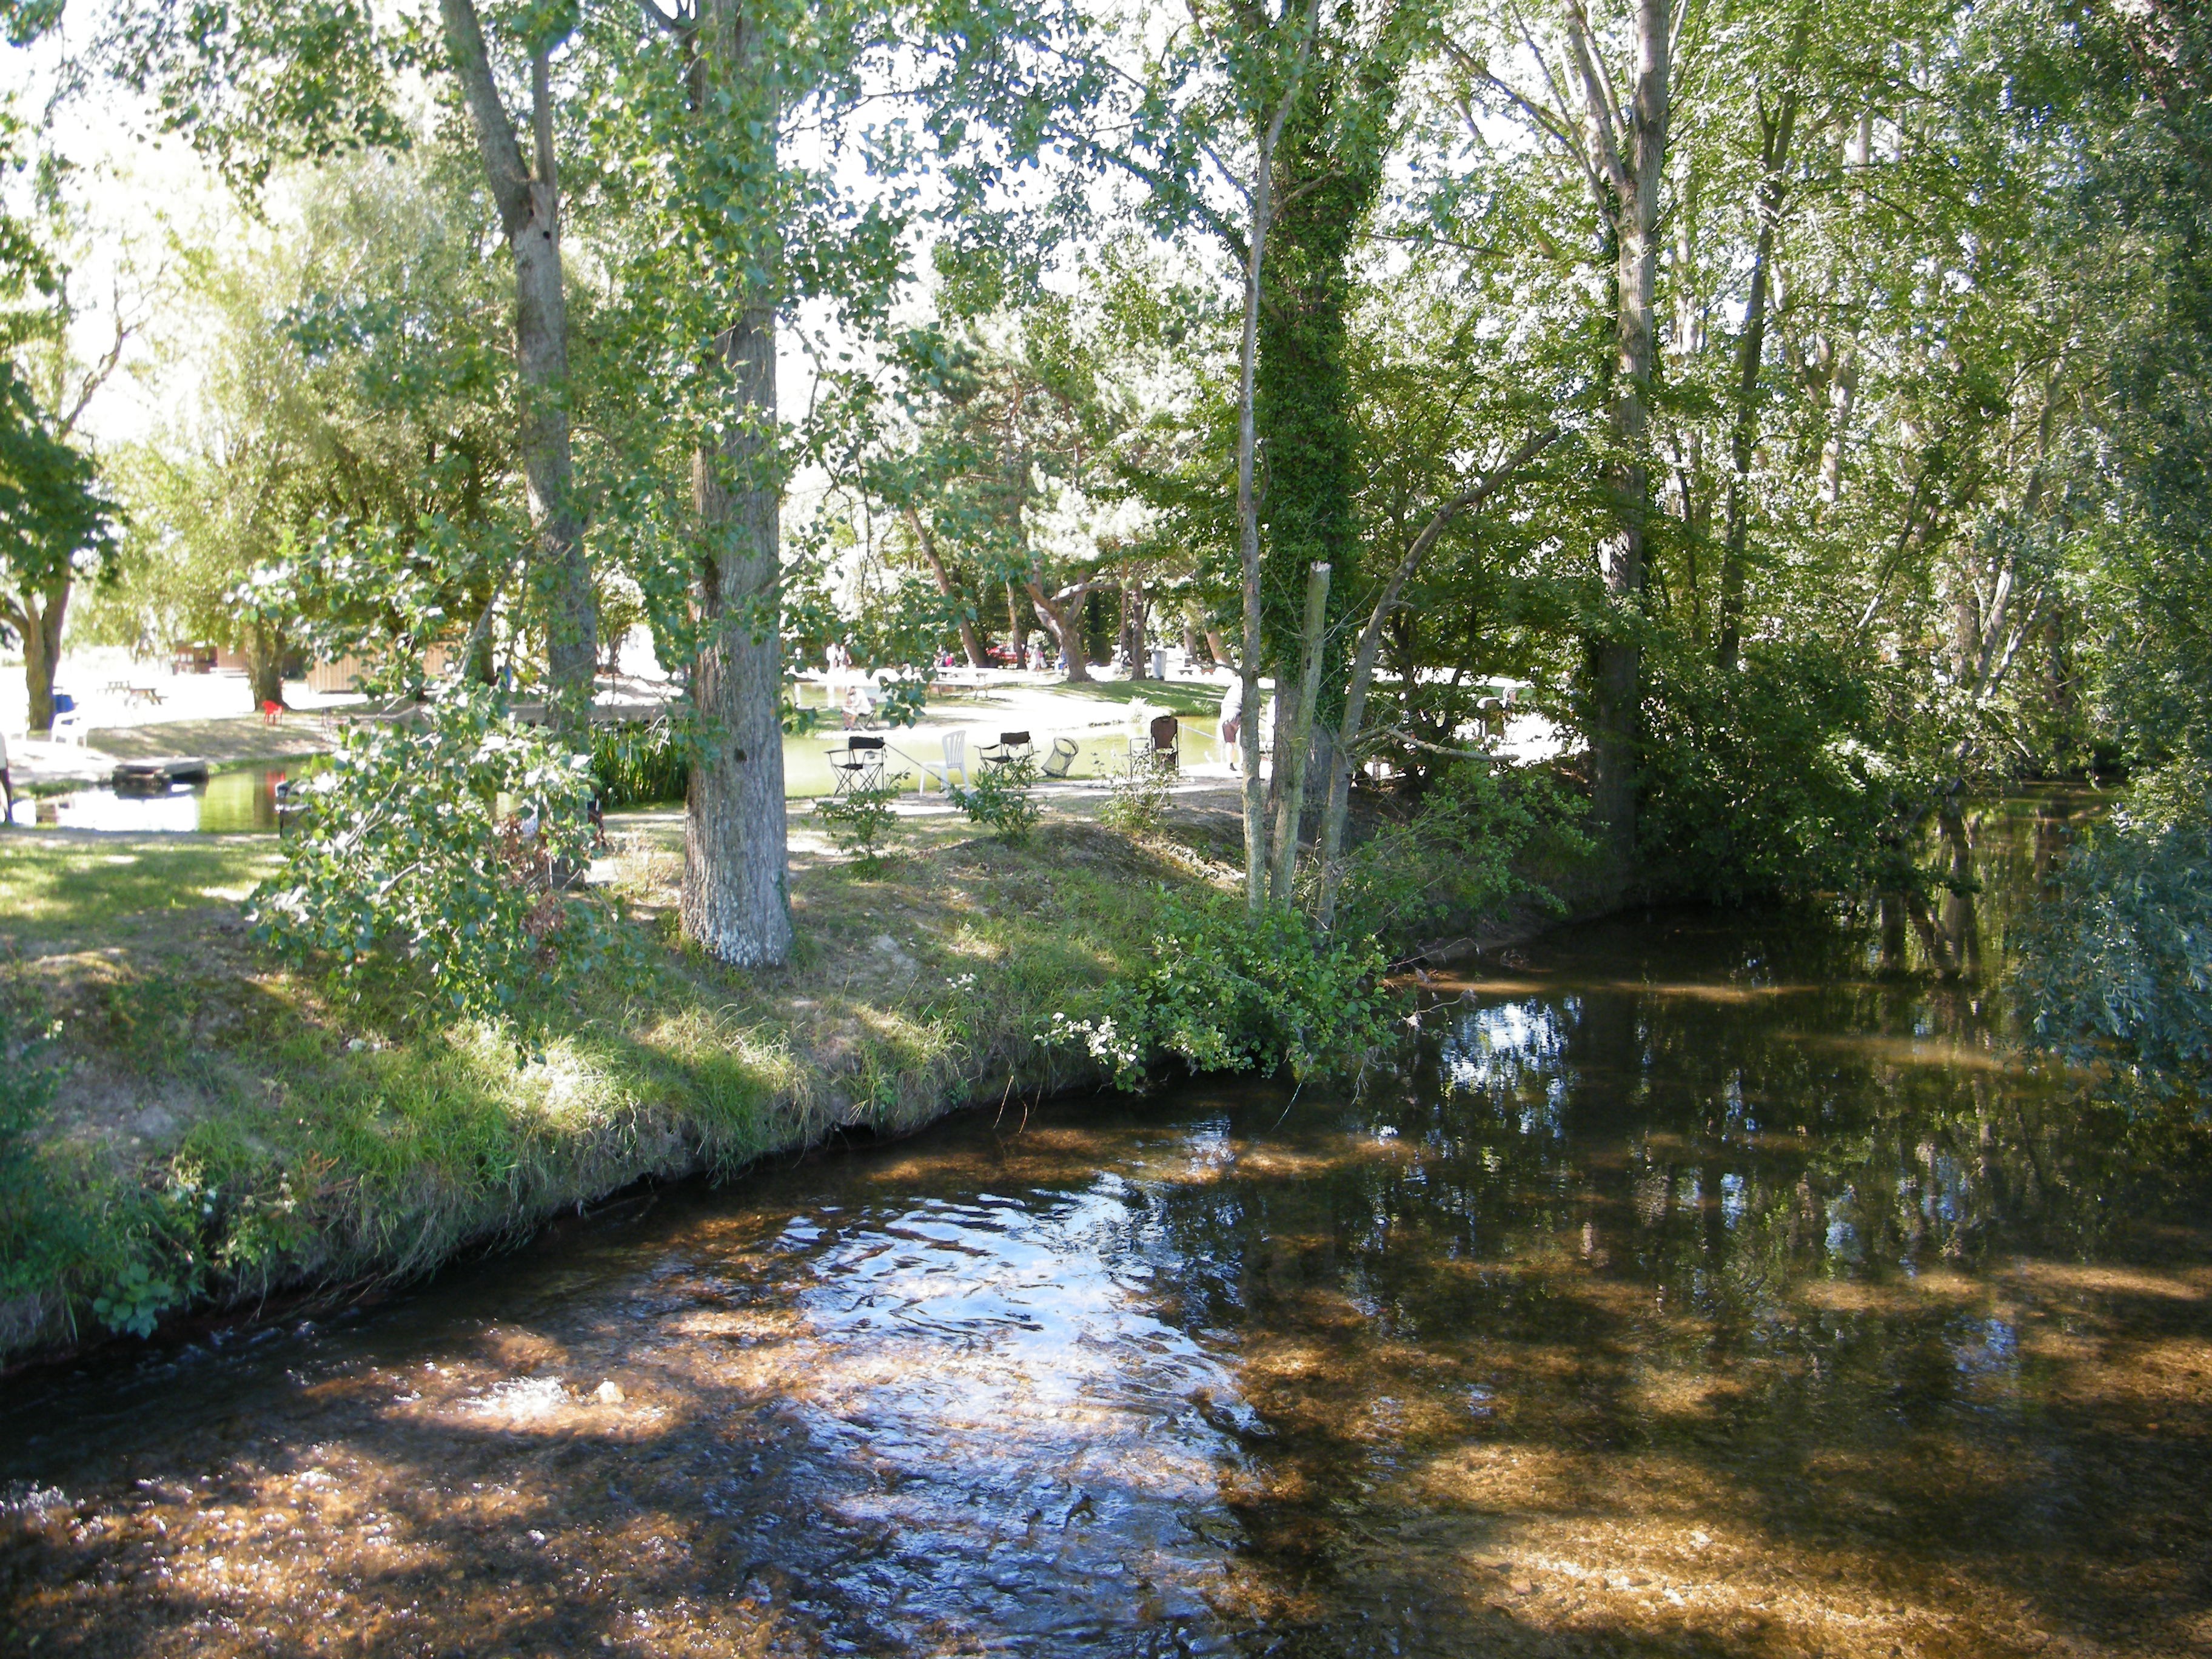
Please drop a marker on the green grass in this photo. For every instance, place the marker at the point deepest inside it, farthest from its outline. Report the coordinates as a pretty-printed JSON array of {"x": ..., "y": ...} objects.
[
  {"x": 61, "y": 890},
  {"x": 1179, "y": 695},
  {"x": 228, "y": 1126}
]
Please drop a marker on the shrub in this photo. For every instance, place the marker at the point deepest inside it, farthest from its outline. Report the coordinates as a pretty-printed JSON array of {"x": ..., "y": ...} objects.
[
  {"x": 1228, "y": 992},
  {"x": 1000, "y": 799},
  {"x": 1781, "y": 779},
  {"x": 1136, "y": 802},
  {"x": 1477, "y": 839},
  {"x": 2117, "y": 971},
  {"x": 26, "y": 1087},
  {"x": 856, "y": 819},
  {"x": 414, "y": 849}
]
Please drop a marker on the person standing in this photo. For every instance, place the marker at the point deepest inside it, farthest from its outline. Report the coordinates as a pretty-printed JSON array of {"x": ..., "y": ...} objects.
[{"x": 1232, "y": 717}]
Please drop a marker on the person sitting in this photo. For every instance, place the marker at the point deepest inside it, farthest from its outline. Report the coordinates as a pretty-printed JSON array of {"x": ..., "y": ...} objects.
[{"x": 859, "y": 707}]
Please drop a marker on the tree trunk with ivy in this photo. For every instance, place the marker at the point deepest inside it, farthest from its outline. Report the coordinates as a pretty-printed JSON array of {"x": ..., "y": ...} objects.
[
  {"x": 1628, "y": 150},
  {"x": 1328, "y": 169}
]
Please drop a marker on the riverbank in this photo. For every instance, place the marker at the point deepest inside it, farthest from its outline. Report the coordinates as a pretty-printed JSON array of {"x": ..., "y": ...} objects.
[{"x": 220, "y": 1130}]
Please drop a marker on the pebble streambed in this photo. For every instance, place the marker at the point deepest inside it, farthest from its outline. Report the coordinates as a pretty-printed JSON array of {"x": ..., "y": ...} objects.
[{"x": 1684, "y": 1286}]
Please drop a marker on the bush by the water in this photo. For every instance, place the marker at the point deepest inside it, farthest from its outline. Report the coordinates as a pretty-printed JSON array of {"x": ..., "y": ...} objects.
[
  {"x": 1226, "y": 991},
  {"x": 1479, "y": 838},
  {"x": 2119, "y": 972},
  {"x": 440, "y": 848},
  {"x": 1782, "y": 777}
]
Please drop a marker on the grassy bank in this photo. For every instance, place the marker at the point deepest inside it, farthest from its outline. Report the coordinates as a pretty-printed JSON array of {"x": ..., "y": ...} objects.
[{"x": 215, "y": 1126}]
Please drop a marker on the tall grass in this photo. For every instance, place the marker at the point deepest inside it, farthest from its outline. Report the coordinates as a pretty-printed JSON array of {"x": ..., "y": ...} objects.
[{"x": 640, "y": 762}]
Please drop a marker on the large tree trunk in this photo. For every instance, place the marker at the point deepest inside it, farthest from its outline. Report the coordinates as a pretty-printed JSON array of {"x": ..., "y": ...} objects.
[
  {"x": 264, "y": 649},
  {"x": 1773, "y": 186},
  {"x": 1294, "y": 730},
  {"x": 39, "y": 618},
  {"x": 1632, "y": 156},
  {"x": 737, "y": 902},
  {"x": 927, "y": 543},
  {"x": 530, "y": 216},
  {"x": 1066, "y": 632}
]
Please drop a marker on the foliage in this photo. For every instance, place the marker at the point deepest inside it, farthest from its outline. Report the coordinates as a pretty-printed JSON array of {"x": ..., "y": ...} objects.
[
  {"x": 1782, "y": 778},
  {"x": 2119, "y": 970},
  {"x": 341, "y": 481},
  {"x": 437, "y": 853},
  {"x": 135, "y": 1302},
  {"x": 27, "y": 1088},
  {"x": 636, "y": 763},
  {"x": 1136, "y": 800},
  {"x": 858, "y": 819},
  {"x": 1226, "y": 991},
  {"x": 1477, "y": 839},
  {"x": 1001, "y": 798},
  {"x": 56, "y": 522}
]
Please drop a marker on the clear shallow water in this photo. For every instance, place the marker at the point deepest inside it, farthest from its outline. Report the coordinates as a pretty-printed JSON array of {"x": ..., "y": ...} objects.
[{"x": 1685, "y": 1286}]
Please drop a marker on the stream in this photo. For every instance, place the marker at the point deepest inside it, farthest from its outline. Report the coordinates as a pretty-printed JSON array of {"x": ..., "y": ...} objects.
[{"x": 1694, "y": 1282}]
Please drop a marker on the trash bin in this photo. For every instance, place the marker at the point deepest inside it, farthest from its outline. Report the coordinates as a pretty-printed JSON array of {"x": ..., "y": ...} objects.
[{"x": 1159, "y": 662}]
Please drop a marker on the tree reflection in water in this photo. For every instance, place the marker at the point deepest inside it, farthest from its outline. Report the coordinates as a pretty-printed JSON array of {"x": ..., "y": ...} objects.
[{"x": 1699, "y": 1288}]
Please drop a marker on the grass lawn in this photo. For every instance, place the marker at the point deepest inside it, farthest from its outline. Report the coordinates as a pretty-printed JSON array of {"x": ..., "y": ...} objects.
[
  {"x": 229, "y": 1125},
  {"x": 1180, "y": 696}
]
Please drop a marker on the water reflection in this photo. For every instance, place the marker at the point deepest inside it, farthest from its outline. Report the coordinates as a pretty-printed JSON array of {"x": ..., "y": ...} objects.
[
  {"x": 229, "y": 803},
  {"x": 1695, "y": 1288}
]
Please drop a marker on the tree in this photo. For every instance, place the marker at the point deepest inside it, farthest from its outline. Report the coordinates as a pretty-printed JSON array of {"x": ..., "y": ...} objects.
[
  {"x": 529, "y": 202},
  {"x": 342, "y": 477},
  {"x": 1610, "y": 121},
  {"x": 55, "y": 527},
  {"x": 255, "y": 85}
]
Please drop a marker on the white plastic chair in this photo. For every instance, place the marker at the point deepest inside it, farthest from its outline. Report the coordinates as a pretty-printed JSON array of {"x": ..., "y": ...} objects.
[
  {"x": 956, "y": 760},
  {"x": 70, "y": 728}
]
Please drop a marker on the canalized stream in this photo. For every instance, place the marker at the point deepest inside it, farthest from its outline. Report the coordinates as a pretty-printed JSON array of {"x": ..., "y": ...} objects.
[{"x": 1686, "y": 1286}]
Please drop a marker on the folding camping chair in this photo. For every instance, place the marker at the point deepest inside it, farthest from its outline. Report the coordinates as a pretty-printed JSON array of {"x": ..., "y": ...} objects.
[{"x": 858, "y": 765}]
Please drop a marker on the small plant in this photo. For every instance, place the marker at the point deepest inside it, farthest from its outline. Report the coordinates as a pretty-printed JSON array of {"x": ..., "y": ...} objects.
[
  {"x": 1228, "y": 992},
  {"x": 1136, "y": 802},
  {"x": 1001, "y": 800},
  {"x": 136, "y": 1301},
  {"x": 858, "y": 819}
]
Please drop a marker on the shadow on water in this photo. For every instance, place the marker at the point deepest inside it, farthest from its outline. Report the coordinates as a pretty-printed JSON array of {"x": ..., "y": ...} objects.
[{"x": 1692, "y": 1286}]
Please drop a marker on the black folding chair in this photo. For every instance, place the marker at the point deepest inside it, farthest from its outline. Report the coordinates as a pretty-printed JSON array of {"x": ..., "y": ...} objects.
[
  {"x": 1011, "y": 746},
  {"x": 859, "y": 764}
]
